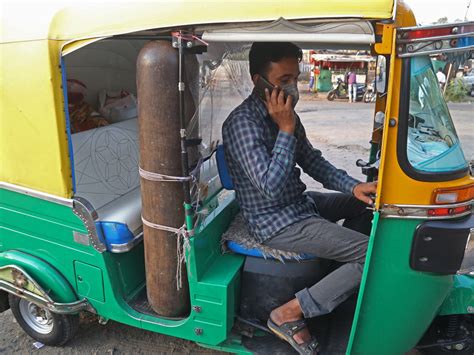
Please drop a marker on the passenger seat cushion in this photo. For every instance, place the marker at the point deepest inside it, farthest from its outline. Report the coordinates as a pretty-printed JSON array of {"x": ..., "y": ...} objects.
[{"x": 238, "y": 240}]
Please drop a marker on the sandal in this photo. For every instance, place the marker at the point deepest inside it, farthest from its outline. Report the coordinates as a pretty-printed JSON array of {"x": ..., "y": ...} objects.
[{"x": 287, "y": 330}]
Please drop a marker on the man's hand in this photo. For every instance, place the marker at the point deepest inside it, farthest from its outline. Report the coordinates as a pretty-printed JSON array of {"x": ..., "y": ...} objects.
[
  {"x": 365, "y": 192},
  {"x": 280, "y": 111}
]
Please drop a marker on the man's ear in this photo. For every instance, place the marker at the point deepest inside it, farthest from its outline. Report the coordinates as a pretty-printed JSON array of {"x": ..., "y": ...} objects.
[{"x": 255, "y": 78}]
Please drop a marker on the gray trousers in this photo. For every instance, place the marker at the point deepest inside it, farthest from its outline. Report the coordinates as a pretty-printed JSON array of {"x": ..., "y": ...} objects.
[{"x": 322, "y": 237}]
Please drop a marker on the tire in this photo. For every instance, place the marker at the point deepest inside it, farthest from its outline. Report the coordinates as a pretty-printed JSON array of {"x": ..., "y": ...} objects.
[
  {"x": 42, "y": 325},
  {"x": 331, "y": 95},
  {"x": 367, "y": 97}
]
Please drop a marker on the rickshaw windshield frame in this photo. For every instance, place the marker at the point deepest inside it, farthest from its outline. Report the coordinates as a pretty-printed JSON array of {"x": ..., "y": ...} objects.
[{"x": 402, "y": 137}]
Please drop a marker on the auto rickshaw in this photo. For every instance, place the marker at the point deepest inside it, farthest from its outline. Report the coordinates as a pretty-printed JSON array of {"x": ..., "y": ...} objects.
[{"x": 126, "y": 219}]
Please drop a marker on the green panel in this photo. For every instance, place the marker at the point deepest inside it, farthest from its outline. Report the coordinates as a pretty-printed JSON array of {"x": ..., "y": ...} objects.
[
  {"x": 130, "y": 269},
  {"x": 461, "y": 298},
  {"x": 89, "y": 281},
  {"x": 206, "y": 244},
  {"x": 396, "y": 304},
  {"x": 45, "y": 230}
]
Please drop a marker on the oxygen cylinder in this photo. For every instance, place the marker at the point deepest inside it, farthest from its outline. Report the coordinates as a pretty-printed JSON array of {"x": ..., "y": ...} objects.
[{"x": 162, "y": 202}]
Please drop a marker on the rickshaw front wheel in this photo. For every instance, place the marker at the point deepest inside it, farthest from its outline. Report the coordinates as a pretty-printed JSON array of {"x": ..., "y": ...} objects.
[
  {"x": 331, "y": 95},
  {"x": 41, "y": 324}
]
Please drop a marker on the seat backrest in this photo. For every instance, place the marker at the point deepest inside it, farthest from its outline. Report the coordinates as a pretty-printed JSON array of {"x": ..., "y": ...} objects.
[
  {"x": 106, "y": 162},
  {"x": 224, "y": 175}
]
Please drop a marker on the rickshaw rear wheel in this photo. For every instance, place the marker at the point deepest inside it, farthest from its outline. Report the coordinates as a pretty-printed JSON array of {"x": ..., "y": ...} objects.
[{"x": 41, "y": 324}]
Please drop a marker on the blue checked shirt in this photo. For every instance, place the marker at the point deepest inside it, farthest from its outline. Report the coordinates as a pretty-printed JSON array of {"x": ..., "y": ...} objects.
[{"x": 262, "y": 163}]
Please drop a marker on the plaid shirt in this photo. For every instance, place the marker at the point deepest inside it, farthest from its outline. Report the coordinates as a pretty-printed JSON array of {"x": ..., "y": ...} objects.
[{"x": 262, "y": 163}]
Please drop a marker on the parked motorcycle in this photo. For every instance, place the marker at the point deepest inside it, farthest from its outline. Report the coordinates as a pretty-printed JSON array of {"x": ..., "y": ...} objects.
[
  {"x": 370, "y": 94},
  {"x": 340, "y": 91}
]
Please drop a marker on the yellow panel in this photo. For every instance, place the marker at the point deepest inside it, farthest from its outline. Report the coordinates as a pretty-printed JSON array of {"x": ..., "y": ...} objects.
[
  {"x": 96, "y": 20},
  {"x": 33, "y": 142},
  {"x": 395, "y": 187}
]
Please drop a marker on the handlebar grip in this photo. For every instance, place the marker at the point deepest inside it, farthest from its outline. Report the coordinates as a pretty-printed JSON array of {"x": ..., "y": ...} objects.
[{"x": 360, "y": 163}]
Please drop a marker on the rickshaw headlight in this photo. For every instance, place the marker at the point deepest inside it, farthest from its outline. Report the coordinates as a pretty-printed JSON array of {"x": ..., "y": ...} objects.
[{"x": 467, "y": 266}]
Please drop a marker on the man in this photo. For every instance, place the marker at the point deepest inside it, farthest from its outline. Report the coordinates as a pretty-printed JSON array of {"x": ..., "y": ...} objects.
[
  {"x": 352, "y": 86},
  {"x": 441, "y": 78},
  {"x": 264, "y": 140}
]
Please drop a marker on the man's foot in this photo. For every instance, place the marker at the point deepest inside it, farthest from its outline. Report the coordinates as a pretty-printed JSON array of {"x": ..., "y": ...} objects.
[{"x": 290, "y": 312}]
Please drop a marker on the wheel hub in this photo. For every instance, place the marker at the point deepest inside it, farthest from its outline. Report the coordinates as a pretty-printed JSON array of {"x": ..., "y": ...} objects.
[{"x": 38, "y": 318}]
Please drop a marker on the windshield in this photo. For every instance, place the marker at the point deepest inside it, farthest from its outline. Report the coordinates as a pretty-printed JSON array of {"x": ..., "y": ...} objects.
[{"x": 433, "y": 145}]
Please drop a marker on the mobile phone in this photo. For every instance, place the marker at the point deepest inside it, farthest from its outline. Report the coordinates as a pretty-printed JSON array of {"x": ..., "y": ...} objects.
[{"x": 261, "y": 85}]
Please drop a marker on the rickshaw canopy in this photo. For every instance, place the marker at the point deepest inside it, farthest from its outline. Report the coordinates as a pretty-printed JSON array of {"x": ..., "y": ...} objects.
[{"x": 73, "y": 22}]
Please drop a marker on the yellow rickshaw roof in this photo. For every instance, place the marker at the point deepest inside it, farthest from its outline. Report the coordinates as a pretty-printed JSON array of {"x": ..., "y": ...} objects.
[{"x": 71, "y": 22}]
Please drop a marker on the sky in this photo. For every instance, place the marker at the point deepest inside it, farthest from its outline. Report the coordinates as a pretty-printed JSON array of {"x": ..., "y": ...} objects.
[{"x": 427, "y": 11}]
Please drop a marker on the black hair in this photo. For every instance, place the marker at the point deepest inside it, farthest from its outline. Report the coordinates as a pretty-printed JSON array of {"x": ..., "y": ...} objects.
[{"x": 263, "y": 53}]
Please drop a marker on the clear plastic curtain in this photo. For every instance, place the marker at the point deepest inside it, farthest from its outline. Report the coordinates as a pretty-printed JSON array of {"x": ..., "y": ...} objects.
[{"x": 224, "y": 82}]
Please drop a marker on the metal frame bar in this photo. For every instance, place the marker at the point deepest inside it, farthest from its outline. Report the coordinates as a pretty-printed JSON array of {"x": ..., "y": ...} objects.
[
  {"x": 444, "y": 25},
  {"x": 125, "y": 247},
  {"x": 436, "y": 38},
  {"x": 436, "y": 51},
  {"x": 402, "y": 42},
  {"x": 180, "y": 44},
  {"x": 84, "y": 210},
  {"x": 38, "y": 194},
  {"x": 420, "y": 211}
]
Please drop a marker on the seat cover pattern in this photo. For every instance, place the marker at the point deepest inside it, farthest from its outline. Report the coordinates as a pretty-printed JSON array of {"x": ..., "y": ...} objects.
[{"x": 106, "y": 169}]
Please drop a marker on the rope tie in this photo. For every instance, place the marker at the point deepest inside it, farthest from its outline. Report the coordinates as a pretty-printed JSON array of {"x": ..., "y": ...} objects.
[
  {"x": 151, "y": 176},
  {"x": 182, "y": 245}
]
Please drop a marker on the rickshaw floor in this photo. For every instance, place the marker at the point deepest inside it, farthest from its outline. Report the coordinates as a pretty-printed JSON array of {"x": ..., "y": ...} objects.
[
  {"x": 332, "y": 332},
  {"x": 140, "y": 304}
]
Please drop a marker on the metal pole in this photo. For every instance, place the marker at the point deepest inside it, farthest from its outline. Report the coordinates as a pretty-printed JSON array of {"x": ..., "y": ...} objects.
[{"x": 184, "y": 149}]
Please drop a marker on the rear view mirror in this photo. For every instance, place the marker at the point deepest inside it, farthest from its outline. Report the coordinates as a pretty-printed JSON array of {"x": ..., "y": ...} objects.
[{"x": 381, "y": 75}]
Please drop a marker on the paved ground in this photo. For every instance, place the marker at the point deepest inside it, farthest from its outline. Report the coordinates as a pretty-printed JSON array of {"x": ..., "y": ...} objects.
[{"x": 341, "y": 130}]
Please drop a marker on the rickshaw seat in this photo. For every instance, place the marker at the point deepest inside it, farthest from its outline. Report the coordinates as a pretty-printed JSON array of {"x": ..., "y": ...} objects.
[
  {"x": 257, "y": 253},
  {"x": 233, "y": 245},
  {"x": 106, "y": 170}
]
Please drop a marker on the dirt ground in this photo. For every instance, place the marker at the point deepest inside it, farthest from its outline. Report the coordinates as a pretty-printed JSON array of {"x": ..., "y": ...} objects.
[{"x": 339, "y": 129}]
